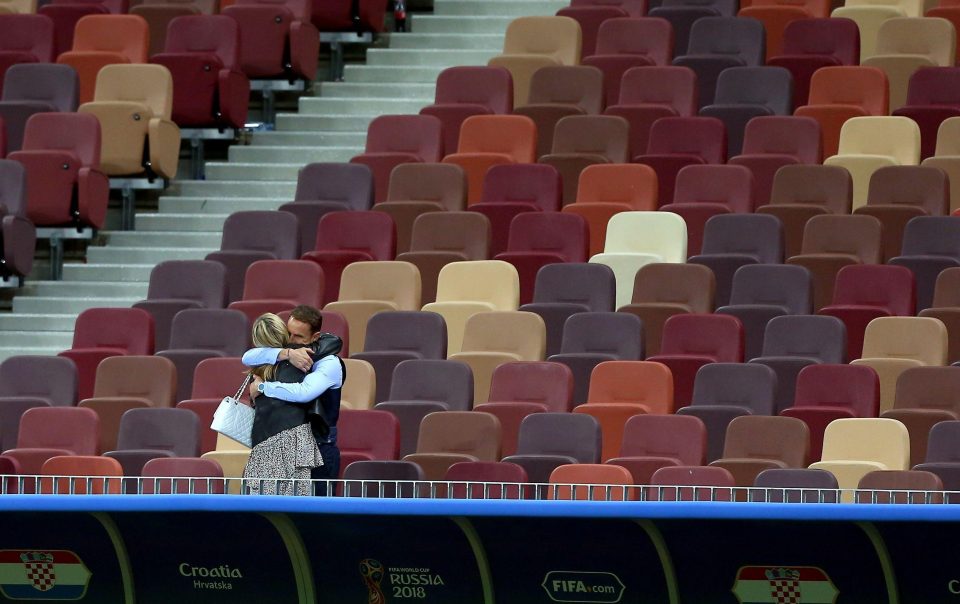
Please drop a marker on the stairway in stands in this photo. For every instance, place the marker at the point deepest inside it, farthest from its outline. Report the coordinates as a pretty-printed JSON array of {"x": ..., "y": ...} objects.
[{"x": 330, "y": 126}]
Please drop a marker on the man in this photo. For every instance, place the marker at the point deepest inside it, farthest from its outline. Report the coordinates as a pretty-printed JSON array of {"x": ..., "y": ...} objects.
[{"x": 324, "y": 382}]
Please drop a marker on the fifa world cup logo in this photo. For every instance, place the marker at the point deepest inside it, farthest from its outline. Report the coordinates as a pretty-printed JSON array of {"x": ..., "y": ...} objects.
[{"x": 372, "y": 572}]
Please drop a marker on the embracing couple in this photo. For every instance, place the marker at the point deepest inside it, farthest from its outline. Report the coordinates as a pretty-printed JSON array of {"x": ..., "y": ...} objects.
[{"x": 297, "y": 377}]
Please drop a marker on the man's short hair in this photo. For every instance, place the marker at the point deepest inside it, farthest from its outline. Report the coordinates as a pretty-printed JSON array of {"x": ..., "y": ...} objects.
[{"x": 309, "y": 315}]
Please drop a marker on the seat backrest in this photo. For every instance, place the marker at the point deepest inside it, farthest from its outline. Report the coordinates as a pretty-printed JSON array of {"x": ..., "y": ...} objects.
[
  {"x": 556, "y": 37},
  {"x": 748, "y": 385},
  {"x": 782, "y": 285},
  {"x": 297, "y": 280},
  {"x": 52, "y": 378},
  {"x": 943, "y": 445},
  {"x": 491, "y": 87},
  {"x": 769, "y": 87},
  {"x": 934, "y": 86},
  {"x": 785, "y": 439},
  {"x": 878, "y": 485},
  {"x": 947, "y": 137},
  {"x": 933, "y": 236},
  {"x": 467, "y": 233},
  {"x": 492, "y": 281},
  {"x": 691, "y": 285},
  {"x": 881, "y": 440},
  {"x": 449, "y": 382},
  {"x": 538, "y": 436},
  {"x": 830, "y": 187},
  {"x": 424, "y": 333},
  {"x": 217, "y": 377},
  {"x": 704, "y": 137},
  {"x": 616, "y": 334},
  {"x": 856, "y": 387},
  {"x": 72, "y": 428},
  {"x": 385, "y": 281},
  {"x": 78, "y": 133},
  {"x": 947, "y": 290},
  {"x": 349, "y": 184},
  {"x": 821, "y": 338},
  {"x": 590, "y": 18},
  {"x": 149, "y": 377},
  {"x": 176, "y": 430},
  {"x": 464, "y": 432},
  {"x": 858, "y": 235},
  {"x": 518, "y": 332},
  {"x": 637, "y": 382},
  {"x": 796, "y": 136},
  {"x": 726, "y": 185},
  {"x": 670, "y": 86},
  {"x": 369, "y": 431},
  {"x": 683, "y": 437},
  {"x": 634, "y": 8},
  {"x": 861, "y": 86},
  {"x": 634, "y": 185},
  {"x": 660, "y": 233},
  {"x": 218, "y": 35},
  {"x": 592, "y": 285},
  {"x": 919, "y": 338},
  {"x": 370, "y": 232},
  {"x": 603, "y": 475},
  {"x": 577, "y": 85},
  {"x": 927, "y": 388},
  {"x": 547, "y": 383},
  {"x": 550, "y": 232},
  {"x": 893, "y": 136},
  {"x": 419, "y": 135},
  {"x": 13, "y": 187},
  {"x": 837, "y": 38},
  {"x": 932, "y": 38},
  {"x": 923, "y": 187},
  {"x": 757, "y": 235},
  {"x": 636, "y": 35},
  {"x": 277, "y": 233},
  {"x": 730, "y": 37},
  {"x": 445, "y": 184},
  {"x": 888, "y": 287},
  {"x": 51, "y": 83},
  {"x": 538, "y": 184},
  {"x": 126, "y": 35},
  {"x": 716, "y": 336},
  {"x": 128, "y": 328},
  {"x": 512, "y": 135},
  {"x": 605, "y": 135},
  {"x": 183, "y": 467},
  {"x": 224, "y": 330},
  {"x": 668, "y": 478},
  {"x": 31, "y": 34},
  {"x": 203, "y": 281}
]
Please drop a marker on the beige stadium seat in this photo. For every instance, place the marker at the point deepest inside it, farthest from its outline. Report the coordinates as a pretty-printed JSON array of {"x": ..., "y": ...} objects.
[
  {"x": 225, "y": 443},
  {"x": 635, "y": 239},
  {"x": 491, "y": 339},
  {"x": 367, "y": 288},
  {"x": 360, "y": 388},
  {"x": 872, "y": 142},
  {"x": 232, "y": 463},
  {"x": 535, "y": 42},
  {"x": 905, "y": 44},
  {"x": 947, "y": 157},
  {"x": 466, "y": 288},
  {"x": 891, "y": 345},
  {"x": 133, "y": 104},
  {"x": 868, "y": 20},
  {"x": 23, "y": 7},
  {"x": 898, "y": 8},
  {"x": 855, "y": 446}
]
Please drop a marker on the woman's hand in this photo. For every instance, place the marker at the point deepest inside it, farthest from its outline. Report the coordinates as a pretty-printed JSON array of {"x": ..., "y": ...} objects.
[{"x": 254, "y": 383}]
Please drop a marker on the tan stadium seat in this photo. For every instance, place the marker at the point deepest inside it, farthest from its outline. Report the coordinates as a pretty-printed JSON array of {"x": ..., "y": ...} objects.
[
  {"x": 101, "y": 40},
  {"x": 868, "y": 20},
  {"x": 360, "y": 388},
  {"x": 891, "y": 345},
  {"x": 947, "y": 157},
  {"x": 133, "y": 104},
  {"x": 466, "y": 288},
  {"x": 906, "y": 44},
  {"x": 448, "y": 437},
  {"x": 491, "y": 339},
  {"x": 535, "y": 42},
  {"x": 23, "y": 7},
  {"x": 897, "y": 8},
  {"x": 872, "y": 142},
  {"x": 853, "y": 447},
  {"x": 367, "y": 288},
  {"x": 232, "y": 463}
]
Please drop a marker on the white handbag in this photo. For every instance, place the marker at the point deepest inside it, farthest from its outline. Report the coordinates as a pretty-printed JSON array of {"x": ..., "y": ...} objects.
[{"x": 233, "y": 419}]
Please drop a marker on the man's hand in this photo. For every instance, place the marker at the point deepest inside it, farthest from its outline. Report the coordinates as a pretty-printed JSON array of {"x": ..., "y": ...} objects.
[
  {"x": 300, "y": 358},
  {"x": 254, "y": 393}
]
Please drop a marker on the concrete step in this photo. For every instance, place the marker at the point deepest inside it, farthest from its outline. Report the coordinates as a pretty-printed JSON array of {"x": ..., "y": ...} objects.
[
  {"x": 293, "y": 122},
  {"x": 487, "y": 41},
  {"x": 440, "y": 58},
  {"x": 316, "y": 139},
  {"x": 253, "y": 171},
  {"x": 202, "y": 189},
  {"x": 38, "y": 305},
  {"x": 145, "y": 255},
  {"x": 418, "y": 90},
  {"x": 13, "y": 351},
  {"x": 286, "y": 155},
  {"x": 214, "y": 209},
  {"x": 440, "y": 24},
  {"x": 162, "y": 239},
  {"x": 61, "y": 340},
  {"x": 183, "y": 222},
  {"x": 383, "y": 75},
  {"x": 89, "y": 289},
  {"x": 517, "y": 8},
  {"x": 75, "y": 273},
  {"x": 39, "y": 323},
  {"x": 360, "y": 106}
]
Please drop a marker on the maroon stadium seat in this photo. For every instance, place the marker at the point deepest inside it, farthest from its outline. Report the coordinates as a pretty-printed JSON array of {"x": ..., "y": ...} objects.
[
  {"x": 276, "y": 285},
  {"x": 651, "y": 442},
  {"x": 185, "y": 468},
  {"x": 396, "y": 139},
  {"x": 48, "y": 432},
  {"x": 704, "y": 191},
  {"x": 213, "y": 379},
  {"x": 624, "y": 43},
  {"x": 17, "y": 233},
  {"x": 771, "y": 142},
  {"x": 26, "y": 39},
  {"x": 35, "y": 88},
  {"x": 510, "y": 189},
  {"x": 676, "y": 142},
  {"x": 809, "y": 44},
  {"x": 277, "y": 38}
]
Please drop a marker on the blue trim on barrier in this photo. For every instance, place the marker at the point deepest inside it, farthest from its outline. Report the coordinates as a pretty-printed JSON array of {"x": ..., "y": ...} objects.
[{"x": 457, "y": 507}]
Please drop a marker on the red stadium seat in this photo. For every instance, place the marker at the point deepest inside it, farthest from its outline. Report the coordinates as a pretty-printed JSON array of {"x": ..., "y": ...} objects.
[
  {"x": 397, "y": 139},
  {"x": 25, "y": 39},
  {"x": 277, "y": 38}
]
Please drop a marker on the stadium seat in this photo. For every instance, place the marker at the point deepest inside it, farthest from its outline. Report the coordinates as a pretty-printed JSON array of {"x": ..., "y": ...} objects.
[
  {"x": 591, "y": 18},
  {"x": 683, "y": 14},
  {"x": 207, "y": 476},
  {"x": 343, "y": 16},
  {"x": 30, "y": 88},
  {"x": 511, "y": 189},
  {"x": 277, "y": 285},
  {"x": 25, "y": 38},
  {"x": 478, "y": 474},
  {"x": 213, "y": 379},
  {"x": 359, "y": 392},
  {"x": 158, "y": 18},
  {"x": 452, "y": 436},
  {"x": 52, "y": 431},
  {"x": 397, "y": 139},
  {"x": 277, "y": 39},
  {"x": 944, "y": 307},
  {"x": 756, "y": 443},
  {"x": 778, "y": 15},
  {"x": 676, "y": 142},
  {"x": 941, "y": 456},
  {"x": 88, "y": 471},
  {"x": 853, "y": 447},
  {"x": 367, "y": 435},
  {"x": 581, "y": 476},
  {"x": 386, "y": 479},
  {"x": 691, "y": 483},
  {"x": 933, "y": 95},
  {"x": 945, "y": 158},
  {"x": 17, "y": 234},
  {"x": 887, "y": 486},
  {"x": 539, "y": 451},
  {"x": 418, "y": 188},
  {"x": 580, "y": 141},
  {"x": 32, "y": 381},
  {"x": 146, "y": 434},
  {"x": 651, "y": 442},
  {"x": 101, "y": 40},
  {"x": 924, "y": 397},
  {"x": 795, "y": 485},
  {"x": 929, "y": 247},
  {"x": 624, "y": 43}
]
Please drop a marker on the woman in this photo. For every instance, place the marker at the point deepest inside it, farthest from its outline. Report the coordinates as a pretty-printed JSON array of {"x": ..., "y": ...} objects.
[{"x": 284, "y": 446}]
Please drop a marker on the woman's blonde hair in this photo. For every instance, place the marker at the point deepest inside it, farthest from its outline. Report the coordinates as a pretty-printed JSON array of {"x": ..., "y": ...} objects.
[{"x": 269, "y": 331}]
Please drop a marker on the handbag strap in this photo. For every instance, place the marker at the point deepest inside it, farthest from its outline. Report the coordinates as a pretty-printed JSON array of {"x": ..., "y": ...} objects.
[{"x": 246, "y": 382}]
